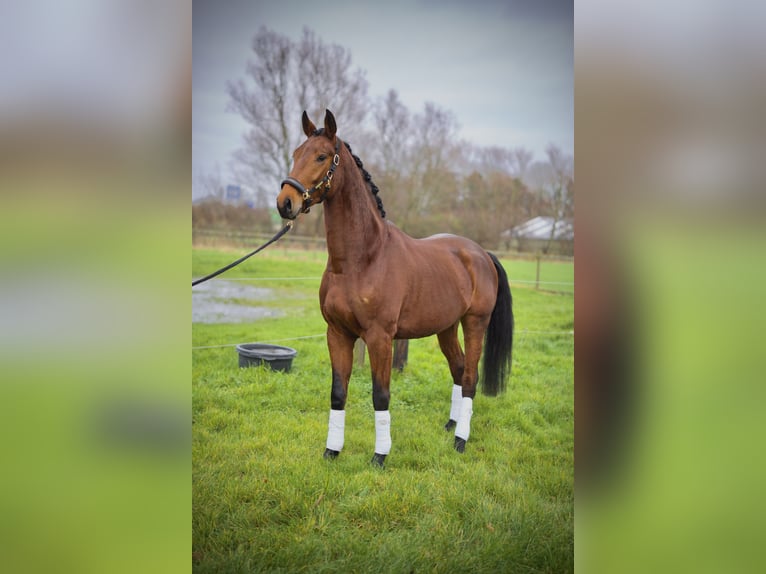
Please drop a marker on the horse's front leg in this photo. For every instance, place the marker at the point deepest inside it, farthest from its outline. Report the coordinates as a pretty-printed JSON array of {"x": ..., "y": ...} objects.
[
  {"x": 380, "y": 352},
  {"x": 341, "y": 347}
]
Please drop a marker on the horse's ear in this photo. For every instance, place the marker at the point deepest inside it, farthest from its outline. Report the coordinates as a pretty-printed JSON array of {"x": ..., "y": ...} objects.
[
  {"x": 308, "y": 126},
  {"x": 329, "y": 124}
]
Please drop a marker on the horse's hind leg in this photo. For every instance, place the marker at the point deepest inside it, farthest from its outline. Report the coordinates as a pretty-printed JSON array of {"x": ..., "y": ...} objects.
[
  {"x": 474, "y": 327},
  {"x": 450, "y": 346}
]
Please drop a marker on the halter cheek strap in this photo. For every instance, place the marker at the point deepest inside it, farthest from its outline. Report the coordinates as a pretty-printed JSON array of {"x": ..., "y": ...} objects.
[{"x": 321, "y": 188}]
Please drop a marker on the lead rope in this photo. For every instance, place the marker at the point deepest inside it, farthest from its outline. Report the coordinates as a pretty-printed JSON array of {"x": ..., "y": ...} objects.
[{"x": 288, "y": 226}]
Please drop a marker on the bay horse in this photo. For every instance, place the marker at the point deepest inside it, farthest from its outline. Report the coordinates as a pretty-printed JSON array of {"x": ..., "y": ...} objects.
[{"x": 381, "y": 284}]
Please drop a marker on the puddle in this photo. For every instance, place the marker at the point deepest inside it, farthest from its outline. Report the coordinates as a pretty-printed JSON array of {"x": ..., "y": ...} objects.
[{"x": 211, "y": 303}]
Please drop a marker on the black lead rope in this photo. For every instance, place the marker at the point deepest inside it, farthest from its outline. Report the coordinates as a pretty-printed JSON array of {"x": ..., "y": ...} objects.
[{"x": 281, "y": 232}]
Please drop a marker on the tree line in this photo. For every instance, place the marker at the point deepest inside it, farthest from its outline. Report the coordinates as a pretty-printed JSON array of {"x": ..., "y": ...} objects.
[{"x": 429, "y": 181}]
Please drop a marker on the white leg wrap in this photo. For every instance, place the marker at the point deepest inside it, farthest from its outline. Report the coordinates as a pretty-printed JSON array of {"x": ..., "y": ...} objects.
[
  {"x": 463, "y": 428},
  {"x": 336, "y": 429},
  {"x": 457, "y": 396},
  {"x": 382, "y": 432}
]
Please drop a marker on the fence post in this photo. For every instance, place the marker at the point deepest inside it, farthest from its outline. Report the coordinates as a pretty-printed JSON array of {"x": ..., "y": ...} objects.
[
  {"x": 537, "y": 275},
  {"x": 359, "y": 348},
  {"x": 401, "y": 350}
]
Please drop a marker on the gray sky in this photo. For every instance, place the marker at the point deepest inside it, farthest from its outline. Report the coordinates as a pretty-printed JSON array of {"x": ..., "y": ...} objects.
[{"x": 504, "y": 68}]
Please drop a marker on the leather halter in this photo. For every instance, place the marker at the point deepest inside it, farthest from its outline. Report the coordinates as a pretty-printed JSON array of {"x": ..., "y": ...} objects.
[{"x": 321, "y": 188}]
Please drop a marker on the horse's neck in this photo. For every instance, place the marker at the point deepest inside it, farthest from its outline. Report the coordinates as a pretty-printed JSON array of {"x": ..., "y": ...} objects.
[{"x": 355, "y": 230}]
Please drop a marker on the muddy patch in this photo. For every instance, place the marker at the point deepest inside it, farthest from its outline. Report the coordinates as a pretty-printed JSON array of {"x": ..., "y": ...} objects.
[{"x": 222, "y": 302}]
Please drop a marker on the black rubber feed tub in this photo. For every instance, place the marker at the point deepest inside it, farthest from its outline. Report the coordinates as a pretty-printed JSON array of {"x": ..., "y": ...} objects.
[{"x": 254, "y": 354}]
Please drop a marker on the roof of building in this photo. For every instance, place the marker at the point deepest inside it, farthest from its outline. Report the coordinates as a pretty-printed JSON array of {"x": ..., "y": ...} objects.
[{"x": 540, "y": 228}]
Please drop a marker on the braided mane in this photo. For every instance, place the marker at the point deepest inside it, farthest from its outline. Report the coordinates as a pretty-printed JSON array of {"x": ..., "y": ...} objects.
[
  {"x": 365, "y": 175},
  {"x": 368, "y": 181}
]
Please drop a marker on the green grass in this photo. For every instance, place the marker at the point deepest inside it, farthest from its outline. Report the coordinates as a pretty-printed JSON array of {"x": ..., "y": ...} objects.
[
  {"x": 554, "y": 275},
  {"x": 264, "y": 500}
]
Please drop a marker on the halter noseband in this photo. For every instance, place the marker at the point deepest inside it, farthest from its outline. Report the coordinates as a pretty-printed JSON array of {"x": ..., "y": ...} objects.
[{"x": 323, "y": 187}]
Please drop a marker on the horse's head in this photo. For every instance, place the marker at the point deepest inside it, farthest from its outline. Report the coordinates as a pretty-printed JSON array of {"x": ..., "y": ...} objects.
[{"x": 314, "y": 163}]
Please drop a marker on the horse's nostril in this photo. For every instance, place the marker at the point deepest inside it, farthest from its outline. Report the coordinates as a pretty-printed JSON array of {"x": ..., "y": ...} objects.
[{"x": 288, "y": 205}]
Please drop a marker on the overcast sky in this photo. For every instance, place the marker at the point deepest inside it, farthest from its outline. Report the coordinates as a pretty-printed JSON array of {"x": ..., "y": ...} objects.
[{"x": 503, "y": 67}]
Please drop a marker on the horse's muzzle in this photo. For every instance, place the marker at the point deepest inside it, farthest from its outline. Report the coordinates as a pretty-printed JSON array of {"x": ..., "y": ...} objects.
[
  {"x": 289, "y": 202},
  {"x": 285, "y": 209}
]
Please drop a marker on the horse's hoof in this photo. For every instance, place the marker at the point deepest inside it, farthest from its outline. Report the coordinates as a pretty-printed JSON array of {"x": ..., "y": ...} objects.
[
  {"x": 459, "y": 444},
  {"x": 378, "y": 460},
  {"x": 450, "y": 425},
  {"x": 331, "y": 454}
]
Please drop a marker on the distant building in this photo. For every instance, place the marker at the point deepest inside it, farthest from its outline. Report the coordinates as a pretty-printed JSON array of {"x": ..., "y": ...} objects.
[
  {"x": 233, "y": 193},
  {"x": 237, "y": 194},
  {"x": 533, "y": 236}
]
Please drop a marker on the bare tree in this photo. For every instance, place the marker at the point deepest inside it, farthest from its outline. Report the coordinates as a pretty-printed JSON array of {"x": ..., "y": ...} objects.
[
  {"x": 560, "y": 189},
  {"x": 433, "y": 153},
  {"x": 496, "y": 158},
  {"x": 414, "y": 159},
  {"x": 264, "y": 105},
  {"x": 390, "y": 154},
  {"x": 210, "y": 184},
  {"x": 284, "y": 78},
  {"x": 435, "y": 132},
  {"x": 326, "y": 79},
  {"x": 393, "y": 121},
  {"x": 521, "y": 158}
]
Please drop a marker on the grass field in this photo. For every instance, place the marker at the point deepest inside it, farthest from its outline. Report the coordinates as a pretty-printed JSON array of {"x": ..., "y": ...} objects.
[{"x": 264, "y": 500}]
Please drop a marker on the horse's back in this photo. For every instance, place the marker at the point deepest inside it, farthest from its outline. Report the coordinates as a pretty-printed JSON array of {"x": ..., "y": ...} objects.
[
  {"x": 452, "y": 242},
  {"x": 461, "y": 252}
]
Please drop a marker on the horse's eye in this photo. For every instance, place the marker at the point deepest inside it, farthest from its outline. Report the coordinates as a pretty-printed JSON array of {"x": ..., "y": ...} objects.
[{"x": 321, "y": 158}]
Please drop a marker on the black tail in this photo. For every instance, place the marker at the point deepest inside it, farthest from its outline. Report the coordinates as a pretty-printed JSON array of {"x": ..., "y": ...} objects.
[{"x": 498, "y": 341}]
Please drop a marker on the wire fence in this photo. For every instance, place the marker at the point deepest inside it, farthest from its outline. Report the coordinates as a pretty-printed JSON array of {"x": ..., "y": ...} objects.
[
  {"x": 288, "y": 339},
  {"x": 520, "y": 332},
  {"x": 312, "y": 243},
  {"x": 318, "y": 277},
  {"x": 211, "y": 237}
]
